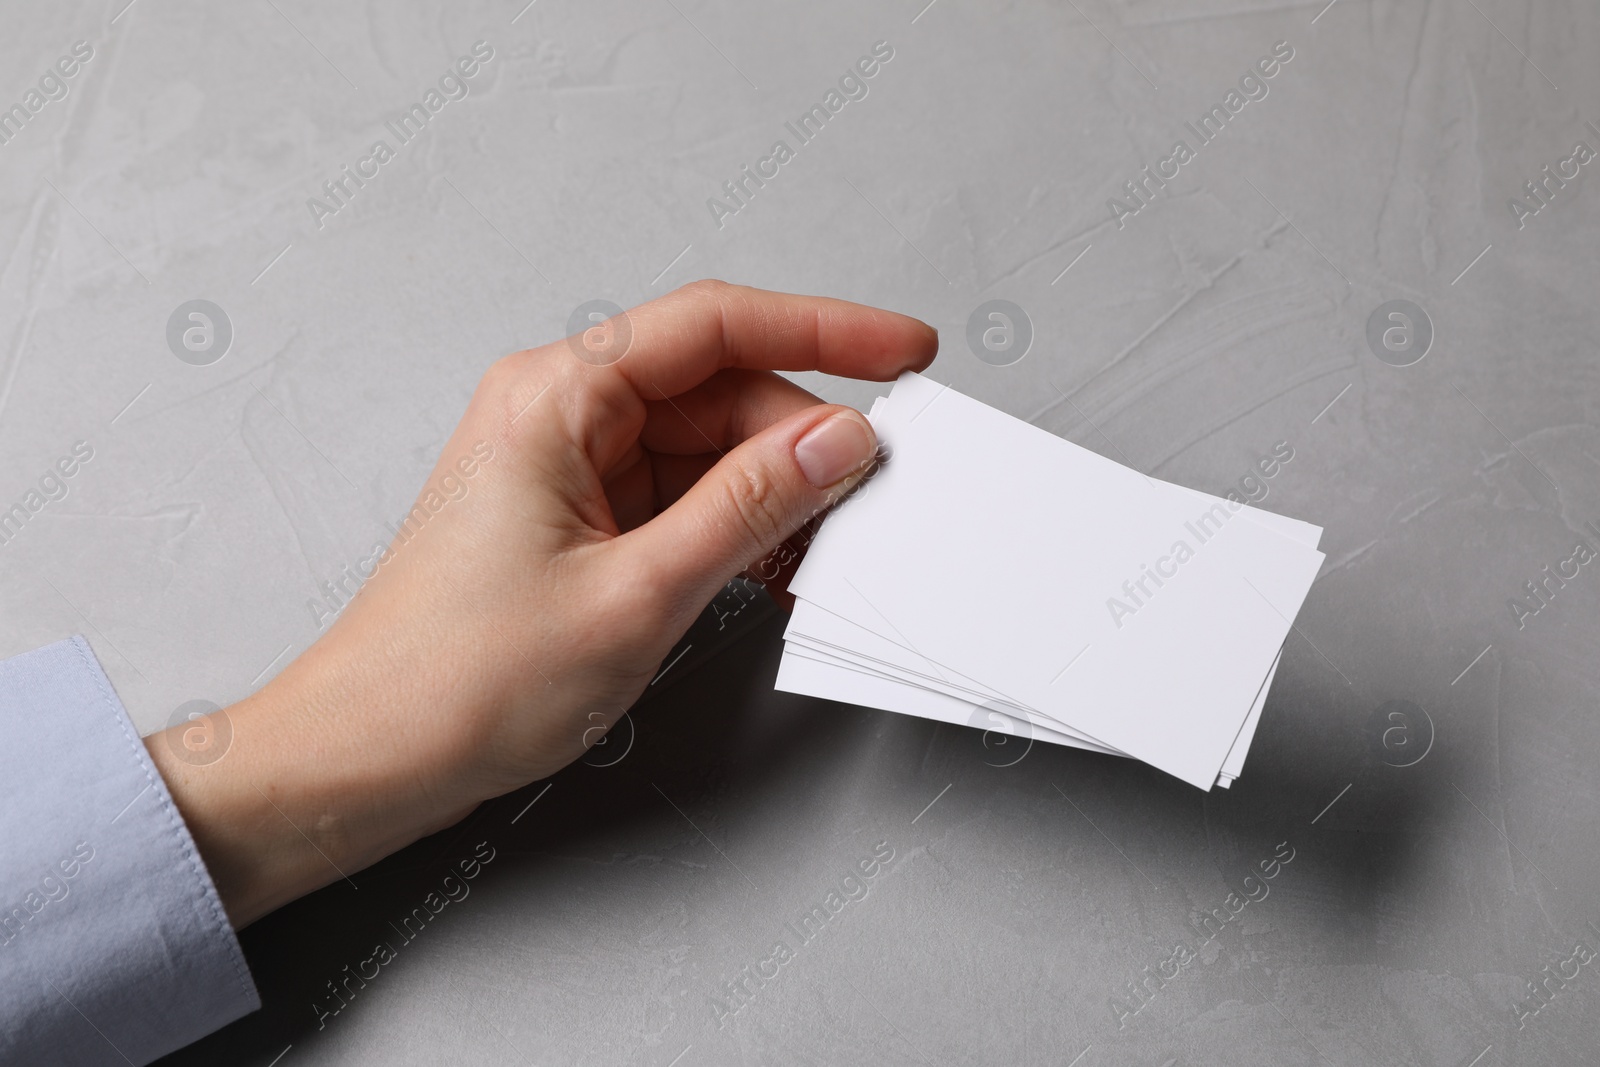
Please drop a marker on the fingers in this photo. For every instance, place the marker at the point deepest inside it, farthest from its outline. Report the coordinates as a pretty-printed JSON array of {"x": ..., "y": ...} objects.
[
  {"x": 749, "y": 503},
  {"x": 684, "y": 436},
  {"x": 688, "y": 335},
  {"x": 721, "y": 411},
  {"x": 684, "y": 338}
]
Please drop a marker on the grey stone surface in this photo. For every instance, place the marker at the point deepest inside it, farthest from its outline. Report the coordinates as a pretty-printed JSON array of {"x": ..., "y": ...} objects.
[{"x": 1226, "y": 316}]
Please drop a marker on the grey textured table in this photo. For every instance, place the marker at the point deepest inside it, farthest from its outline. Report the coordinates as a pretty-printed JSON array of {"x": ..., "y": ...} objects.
[{"x": 1050, "y": 911}]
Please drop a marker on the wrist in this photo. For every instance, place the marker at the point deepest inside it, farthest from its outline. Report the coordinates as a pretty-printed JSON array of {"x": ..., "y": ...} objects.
[{"x": 303, "y": 795}]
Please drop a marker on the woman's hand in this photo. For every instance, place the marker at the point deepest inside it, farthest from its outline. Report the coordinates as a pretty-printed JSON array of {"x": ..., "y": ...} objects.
[{"x": 581, "y": 516}]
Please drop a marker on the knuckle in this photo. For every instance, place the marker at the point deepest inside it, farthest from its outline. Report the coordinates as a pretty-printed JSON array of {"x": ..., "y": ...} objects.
[
  {"x": 498, "y": 378},
  {"x": 510, "y": 385},
  {"x": 714, "y": 289},
  {"x": 712, "y": 297},
  {"x": 757, "y": 502},
  {"x": 499, "y": 383},
  {"x": 709, "y": 305}
]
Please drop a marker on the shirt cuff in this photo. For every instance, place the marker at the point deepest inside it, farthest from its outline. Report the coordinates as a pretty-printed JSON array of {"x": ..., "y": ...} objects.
[{"x": 114, "y": 946}]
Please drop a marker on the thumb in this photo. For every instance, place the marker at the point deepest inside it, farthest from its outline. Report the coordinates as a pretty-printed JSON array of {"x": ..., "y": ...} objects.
[{"x": 756, "y": 497}]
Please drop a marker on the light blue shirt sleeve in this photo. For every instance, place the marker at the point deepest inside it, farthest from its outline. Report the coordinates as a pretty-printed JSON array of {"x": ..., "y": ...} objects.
[{"x": 114, "y": 947}]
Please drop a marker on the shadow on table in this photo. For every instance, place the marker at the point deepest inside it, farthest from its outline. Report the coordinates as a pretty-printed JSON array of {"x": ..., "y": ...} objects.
[{"x": 1355, "y": 862}]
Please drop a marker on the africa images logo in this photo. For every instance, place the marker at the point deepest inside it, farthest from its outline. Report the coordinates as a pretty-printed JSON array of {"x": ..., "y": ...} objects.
[
  {"x": 740, "y": 992},
  {"x": 54, "y": 84},
  {"x": 454, "y": 84},
  {"x": 1253, "y": 86}
]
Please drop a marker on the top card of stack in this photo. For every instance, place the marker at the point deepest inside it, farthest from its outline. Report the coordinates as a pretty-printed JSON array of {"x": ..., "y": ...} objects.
[{"x": 990, "y": 565}]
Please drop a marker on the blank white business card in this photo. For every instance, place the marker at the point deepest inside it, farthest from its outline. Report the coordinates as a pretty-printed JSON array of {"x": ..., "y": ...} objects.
[{"x": 1132, "y": 616}]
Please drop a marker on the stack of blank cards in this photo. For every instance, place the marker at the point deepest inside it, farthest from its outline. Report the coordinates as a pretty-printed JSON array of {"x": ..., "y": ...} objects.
[{"x": 992, "y": 574}]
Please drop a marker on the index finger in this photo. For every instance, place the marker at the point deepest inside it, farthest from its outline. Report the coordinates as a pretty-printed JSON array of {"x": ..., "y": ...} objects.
[{"x": 681, "y": 339}]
